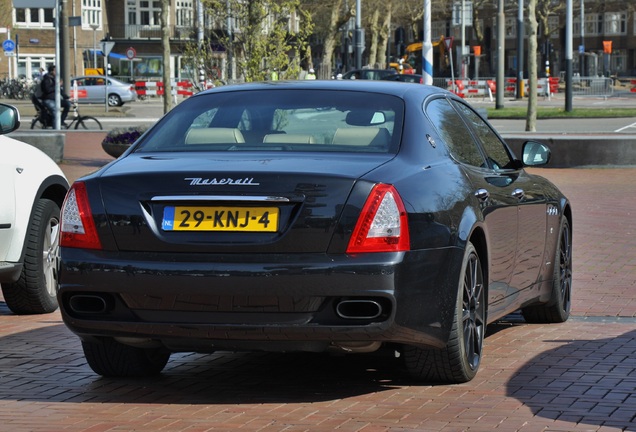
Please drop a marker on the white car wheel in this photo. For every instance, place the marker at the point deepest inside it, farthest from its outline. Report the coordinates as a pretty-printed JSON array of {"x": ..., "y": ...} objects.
[{"x": 35, "y": 291}]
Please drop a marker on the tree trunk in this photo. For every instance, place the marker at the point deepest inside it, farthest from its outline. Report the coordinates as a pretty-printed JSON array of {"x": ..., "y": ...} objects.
[
  {"x": 375, "y": 30},
  {"x": 383, "y": 43},
  {"x": 329, "y": 44},
  {"x": 531, "y": 119},
  {"x": 165, "y": 42}
]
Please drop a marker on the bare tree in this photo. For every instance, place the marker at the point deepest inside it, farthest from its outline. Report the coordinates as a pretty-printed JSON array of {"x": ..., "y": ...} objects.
[
  {"x": 264, "y": 39},
  {"x": 374, "y": 26},
  {"x": 330, "y": 17}
]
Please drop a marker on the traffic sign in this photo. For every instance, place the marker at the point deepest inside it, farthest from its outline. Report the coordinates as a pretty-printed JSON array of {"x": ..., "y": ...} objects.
[
  {"x": 107, "y": 47},
  {"x": 448, "y": 42},
  {"x": 8, "y": 45},
  {"x": 131, "y": 53}
]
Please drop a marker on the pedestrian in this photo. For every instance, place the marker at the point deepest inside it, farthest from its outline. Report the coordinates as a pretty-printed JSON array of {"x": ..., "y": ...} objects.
[
  {"x": 311, "y": 75},
  {"x": 48, "y": 94}
]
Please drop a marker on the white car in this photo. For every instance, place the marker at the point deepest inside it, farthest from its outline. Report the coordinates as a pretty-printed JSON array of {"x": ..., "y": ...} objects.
[{"x": 31, "y": 193}]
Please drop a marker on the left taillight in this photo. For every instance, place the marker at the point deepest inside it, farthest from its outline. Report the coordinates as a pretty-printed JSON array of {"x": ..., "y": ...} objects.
[
  {"x": 382, "y": 225},
  {"x": 77, "y": 227}
]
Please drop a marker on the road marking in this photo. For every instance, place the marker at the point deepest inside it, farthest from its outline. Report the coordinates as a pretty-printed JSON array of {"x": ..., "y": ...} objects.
[{"x": 633, "y": 125}]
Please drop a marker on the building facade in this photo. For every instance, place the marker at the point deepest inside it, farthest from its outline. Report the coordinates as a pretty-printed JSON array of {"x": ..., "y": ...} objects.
[{"x": 135, "y": 29}]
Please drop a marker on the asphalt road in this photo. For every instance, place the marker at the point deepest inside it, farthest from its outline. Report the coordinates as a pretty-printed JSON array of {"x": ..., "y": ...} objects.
[{"x": 149, "y": 111}]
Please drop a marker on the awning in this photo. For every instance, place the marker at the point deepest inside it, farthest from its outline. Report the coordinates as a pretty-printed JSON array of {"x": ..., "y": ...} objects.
[{"x": 111, "y": 55}]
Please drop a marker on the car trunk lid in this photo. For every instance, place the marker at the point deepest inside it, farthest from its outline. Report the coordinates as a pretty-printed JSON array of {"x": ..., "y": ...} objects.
[{"x": 229, "y": 204}]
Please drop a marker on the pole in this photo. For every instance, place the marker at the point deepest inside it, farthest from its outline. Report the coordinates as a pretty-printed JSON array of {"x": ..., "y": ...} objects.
[
  {"x": 10, "y": 62},
  {"x": 501, "y": 40},
  {"x": 582, "y": 51},
  {"x": 94, "y": 26},
  {"x": 520, "y": 51},
  {"x": 568, "y": 56},
  {"x": 57, "y": 119},
  {"x": 461, "y": 54},
  {"x": 358, "y": 33},
  {"x": 65, "y": 61},
  {"x": 427, "y": 46},
  {"x": 106, "y": 74}
]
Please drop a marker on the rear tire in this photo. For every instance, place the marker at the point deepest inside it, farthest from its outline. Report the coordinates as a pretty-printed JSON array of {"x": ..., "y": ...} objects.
[
  {"x": 459, "y": 361},
  {"x": 110, "y": 358},
  {"x": 114, "y": 100},
  {"x": 88, "y": 123},
  {"x": 557, "y": 310},
  {"x": 36, "y": 290}
]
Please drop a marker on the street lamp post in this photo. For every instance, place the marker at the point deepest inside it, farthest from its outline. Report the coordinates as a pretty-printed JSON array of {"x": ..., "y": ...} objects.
[{"x": 94, "y": 26}]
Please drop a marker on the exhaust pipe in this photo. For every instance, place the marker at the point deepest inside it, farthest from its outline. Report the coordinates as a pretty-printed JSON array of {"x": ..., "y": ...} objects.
[
  {"x": 88, "y": 304},
  {"x": 358, "y": 309}
]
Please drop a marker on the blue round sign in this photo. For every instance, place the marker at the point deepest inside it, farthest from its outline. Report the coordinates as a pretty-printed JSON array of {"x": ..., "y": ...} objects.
[{"x": 8, "y": 45}]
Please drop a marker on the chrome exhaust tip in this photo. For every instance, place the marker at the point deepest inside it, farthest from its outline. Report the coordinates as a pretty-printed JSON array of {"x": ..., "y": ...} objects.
[
  {"x": 359, "y": 309},
  {"x": 88, "y": 304}
]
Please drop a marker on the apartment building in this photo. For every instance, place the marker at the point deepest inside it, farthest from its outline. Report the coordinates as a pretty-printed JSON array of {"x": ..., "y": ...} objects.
[
  {"x": 612, "y": 23},
  {"x": 133, "y": 25}
]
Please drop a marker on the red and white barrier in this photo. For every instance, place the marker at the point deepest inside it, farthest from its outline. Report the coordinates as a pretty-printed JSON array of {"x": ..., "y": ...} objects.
[
  {"x": 633, "y": 90},
  {"x": 156, "y": 88},
  {"x": 483, "y": 88}
]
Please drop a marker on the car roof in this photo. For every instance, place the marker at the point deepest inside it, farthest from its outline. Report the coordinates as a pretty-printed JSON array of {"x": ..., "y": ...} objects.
[
  {"x": 394, "y": 88},
  {"x": 96, "y": 76}
]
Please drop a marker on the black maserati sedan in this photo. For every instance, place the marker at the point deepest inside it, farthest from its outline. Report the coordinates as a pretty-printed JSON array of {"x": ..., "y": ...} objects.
[{"x": 313, "y": 216}]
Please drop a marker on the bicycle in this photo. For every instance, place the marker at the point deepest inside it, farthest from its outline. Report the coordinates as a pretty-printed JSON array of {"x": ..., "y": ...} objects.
[{"x": 79, "y": 122}]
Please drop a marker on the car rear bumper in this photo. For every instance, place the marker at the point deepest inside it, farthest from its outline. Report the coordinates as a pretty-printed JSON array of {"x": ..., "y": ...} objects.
[{"x": 304, "y": 302}]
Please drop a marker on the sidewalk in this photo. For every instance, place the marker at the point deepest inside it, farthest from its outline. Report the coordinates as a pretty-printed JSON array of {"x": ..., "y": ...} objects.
[{"x": 576, "y": 376}]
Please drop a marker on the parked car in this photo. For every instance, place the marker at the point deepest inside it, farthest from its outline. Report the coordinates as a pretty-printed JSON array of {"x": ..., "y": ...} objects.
[
  {"x": 91, "y": 89},
  {"x": 369, "y": 74},
  {"x": 412, "y": 78},
  {"x": 32, "y": 192},
  {"x": 313, "y": 216}
]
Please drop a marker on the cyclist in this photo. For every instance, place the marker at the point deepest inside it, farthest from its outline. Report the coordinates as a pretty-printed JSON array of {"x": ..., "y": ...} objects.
[{"x": 48, "y": 93}]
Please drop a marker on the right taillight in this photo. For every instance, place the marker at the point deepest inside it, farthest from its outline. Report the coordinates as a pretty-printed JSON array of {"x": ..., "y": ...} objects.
[
  {"x": 77, "y": 228},
  {"x": 382, "y": 225}
]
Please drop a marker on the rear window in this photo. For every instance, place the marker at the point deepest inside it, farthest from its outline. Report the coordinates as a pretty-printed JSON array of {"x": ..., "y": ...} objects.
[{"x": 280, "y": 120}]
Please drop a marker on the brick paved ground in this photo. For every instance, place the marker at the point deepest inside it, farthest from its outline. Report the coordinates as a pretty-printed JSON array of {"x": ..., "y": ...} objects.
[{"x": 577, "y": 376}]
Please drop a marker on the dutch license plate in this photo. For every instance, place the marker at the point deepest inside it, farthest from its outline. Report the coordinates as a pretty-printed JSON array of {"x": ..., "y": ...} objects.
[{"x": 197, "y": 218}]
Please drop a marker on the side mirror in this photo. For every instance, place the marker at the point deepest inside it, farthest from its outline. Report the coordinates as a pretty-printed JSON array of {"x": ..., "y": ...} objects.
[
  {"x": 9, "y": 118},
  {"x": 535, "y": 153}
]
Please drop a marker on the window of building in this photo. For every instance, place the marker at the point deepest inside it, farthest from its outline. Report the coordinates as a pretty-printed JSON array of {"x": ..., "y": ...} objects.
[
  {"x": 438, "y": 29},
  {"x": 593, "y": 24},
  {"x": 618, "y": 61},
  {"x": 91, "y": 13},
  {"x": 615, "y": 23},
  {"x": 149, "y": 12},
  {"x": 511, "y": 27},
  {"x": 184, "y": 13},
  {"x": 29, "y": 65},
  {"x": 131, "y": 15},
  {"x": 33, "y": 17}
]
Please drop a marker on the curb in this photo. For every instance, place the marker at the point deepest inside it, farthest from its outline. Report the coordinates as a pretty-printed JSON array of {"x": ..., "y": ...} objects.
[{"x": 581, "y": 150}]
